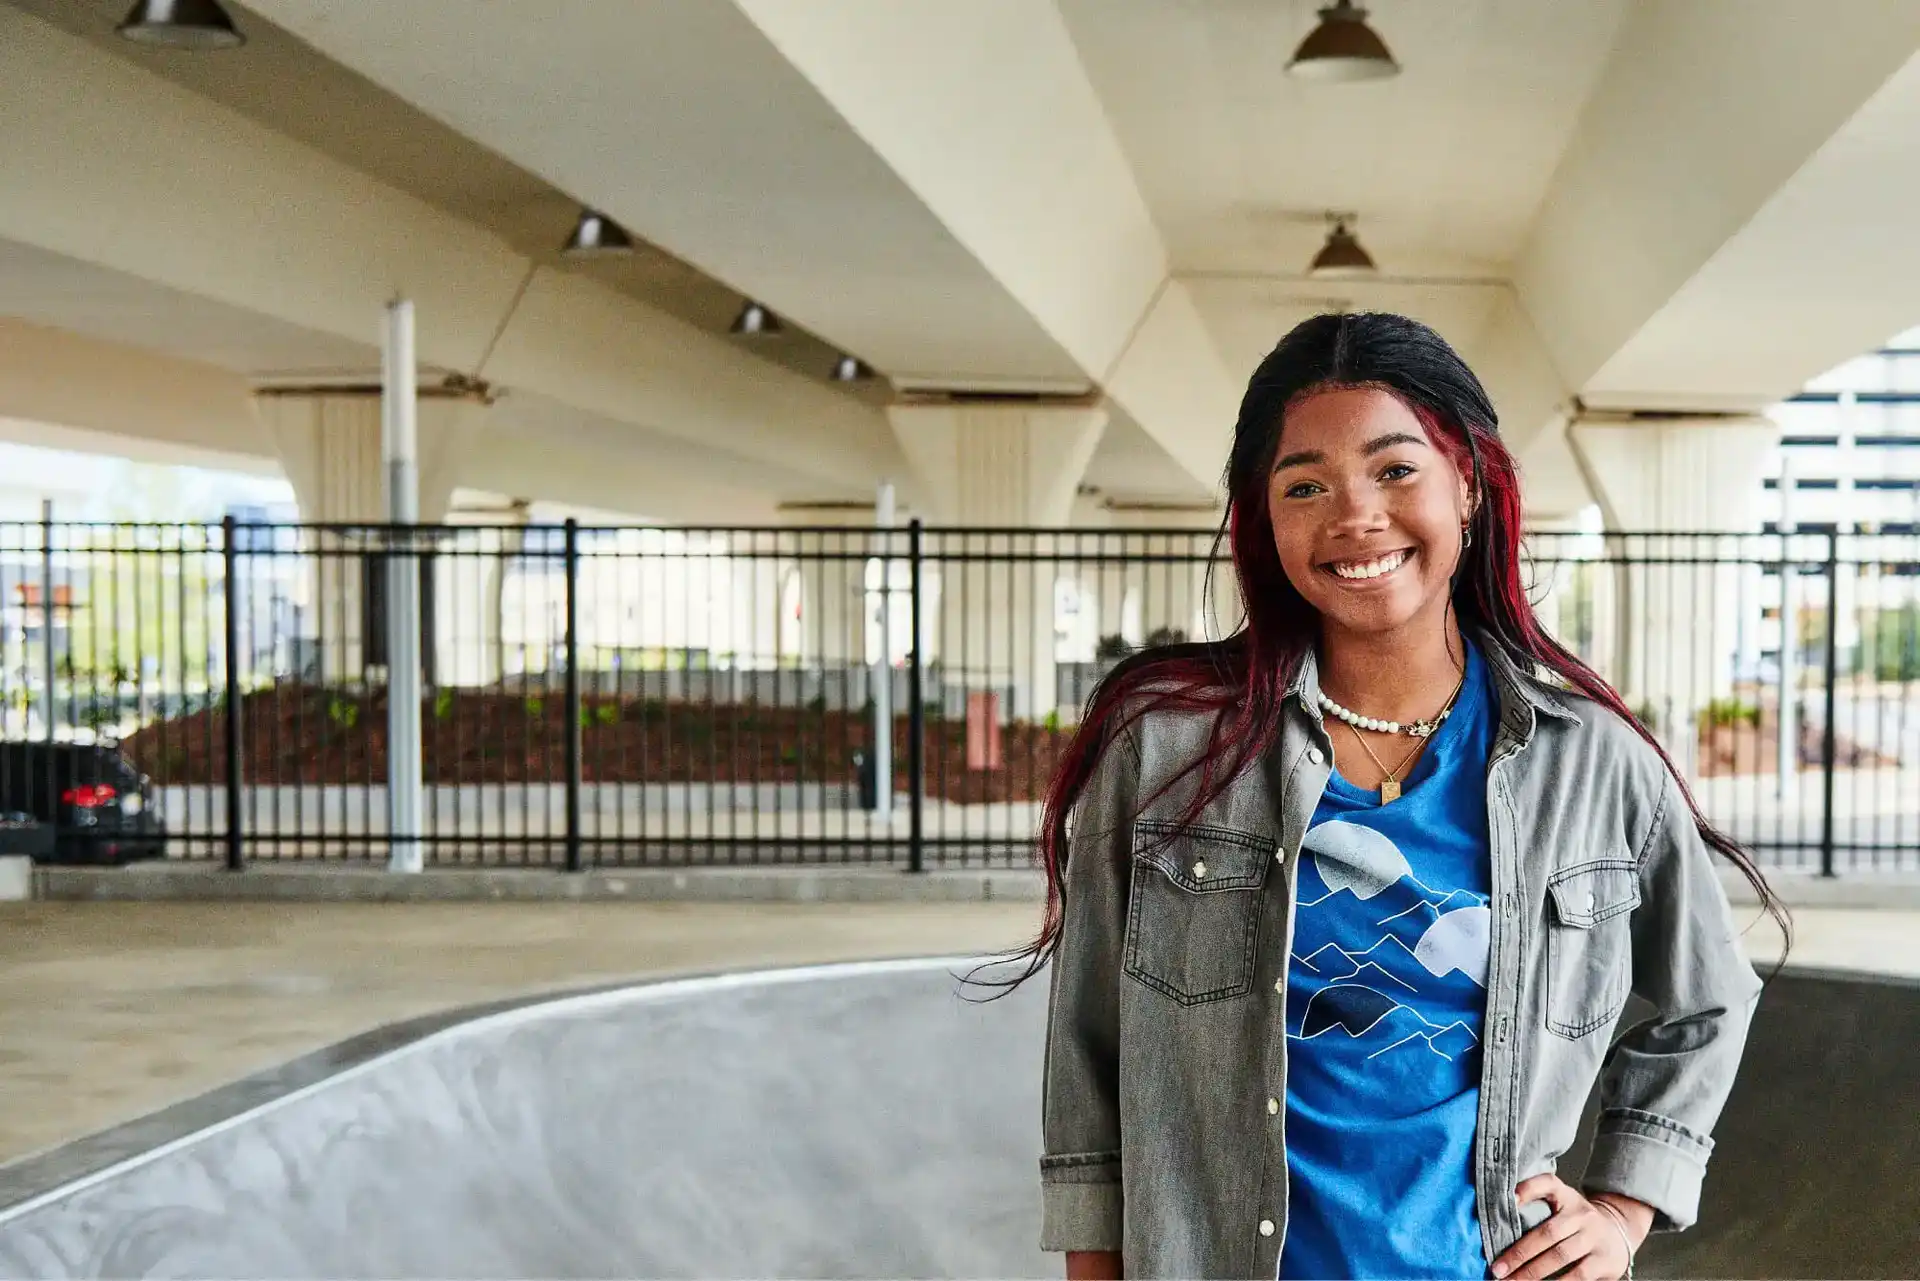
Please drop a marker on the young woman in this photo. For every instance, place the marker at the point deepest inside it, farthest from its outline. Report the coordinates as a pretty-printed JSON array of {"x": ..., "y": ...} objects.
[{"x": 1350, "y": 902}]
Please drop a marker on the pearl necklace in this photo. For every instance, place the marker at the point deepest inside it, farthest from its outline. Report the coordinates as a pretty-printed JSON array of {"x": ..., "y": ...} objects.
[{"x": 1417, "y": 729}]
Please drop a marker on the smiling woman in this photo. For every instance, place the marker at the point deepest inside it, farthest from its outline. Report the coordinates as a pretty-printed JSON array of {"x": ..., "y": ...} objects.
[{"x": 1372, "y": 879}]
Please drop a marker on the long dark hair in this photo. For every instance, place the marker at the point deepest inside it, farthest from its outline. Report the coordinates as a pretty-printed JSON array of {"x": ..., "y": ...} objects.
[{"x": 1242, "y": 681}]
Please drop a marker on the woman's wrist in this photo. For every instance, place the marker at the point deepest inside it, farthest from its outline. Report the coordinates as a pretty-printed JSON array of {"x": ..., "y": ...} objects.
[{"x": 1636, "y": 1217}]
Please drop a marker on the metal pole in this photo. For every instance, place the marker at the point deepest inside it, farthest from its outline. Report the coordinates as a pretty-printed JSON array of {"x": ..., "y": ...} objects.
[
  {"x": 916, "y": 713},
  {"x": 883, "y": 663},
  {"x": 229, "y": 555},
  {"x": 406, "y": 809},
  {"x": 1787, "y": 763},
  {"x": 46, "y": 645},
  {"x": 572, "y": 563},
  {"x": 1827, "y": 748},
  {"x": 46, "y": 626}
]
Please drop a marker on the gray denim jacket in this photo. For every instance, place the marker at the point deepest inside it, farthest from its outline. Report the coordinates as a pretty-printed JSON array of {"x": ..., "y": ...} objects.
[{"x": 1166, "y": 1050}]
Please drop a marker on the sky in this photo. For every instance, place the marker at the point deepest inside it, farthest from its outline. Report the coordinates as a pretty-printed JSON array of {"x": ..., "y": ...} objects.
[{"x": 86, "y": 486}]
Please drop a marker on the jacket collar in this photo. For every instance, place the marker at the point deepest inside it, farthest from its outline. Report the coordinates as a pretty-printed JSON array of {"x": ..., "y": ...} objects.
[{"x": 1523, "y": 696}]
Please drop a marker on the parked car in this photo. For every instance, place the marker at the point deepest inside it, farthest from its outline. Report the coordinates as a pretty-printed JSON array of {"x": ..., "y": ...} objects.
[{"x": 99, "y": 806}]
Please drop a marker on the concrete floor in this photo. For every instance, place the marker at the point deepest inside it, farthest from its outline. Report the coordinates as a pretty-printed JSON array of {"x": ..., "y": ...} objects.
[{"x": 112, "y": 1010}]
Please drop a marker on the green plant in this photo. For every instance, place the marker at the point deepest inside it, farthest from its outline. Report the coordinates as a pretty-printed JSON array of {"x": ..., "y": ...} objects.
[
  {"x": 535, "y": 705},
  {"x": 1728, "y": 711},
  {"x": 343, "y": 712},
  {"x": 442, "y": 704},
  {"x": 1052, "y": 721},
  {"x": 607, "y": 713}
]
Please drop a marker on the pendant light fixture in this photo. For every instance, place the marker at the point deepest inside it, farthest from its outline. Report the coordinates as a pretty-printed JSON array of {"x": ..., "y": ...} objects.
[
  {"x": 181, "y": 24},
  {"x": 755, "y": 320},
  {"x": 1343, "y": 48},
  {"x": 851, "y": 369},
  {"x": 1341, "y": 257},
  {"x": 597, "y": 236}
]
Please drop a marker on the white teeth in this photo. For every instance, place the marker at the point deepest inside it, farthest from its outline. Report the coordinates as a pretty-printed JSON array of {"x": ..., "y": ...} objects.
[{"x": 1373, "y": 568}]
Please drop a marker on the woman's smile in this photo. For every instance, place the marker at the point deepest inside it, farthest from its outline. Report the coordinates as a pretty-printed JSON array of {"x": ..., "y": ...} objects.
[{"x": 1371, "y": 569}]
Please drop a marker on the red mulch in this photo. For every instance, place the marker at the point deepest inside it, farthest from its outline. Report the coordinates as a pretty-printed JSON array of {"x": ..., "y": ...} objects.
[{"x": 299, "y": 734}]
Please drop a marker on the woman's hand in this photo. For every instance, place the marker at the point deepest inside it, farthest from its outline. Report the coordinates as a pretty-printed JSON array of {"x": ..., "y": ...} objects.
[{"x": 1580, "y": 1236}]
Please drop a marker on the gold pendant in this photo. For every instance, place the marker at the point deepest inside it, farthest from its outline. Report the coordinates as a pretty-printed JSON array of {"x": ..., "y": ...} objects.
[{"x": 1389, "y": 791}]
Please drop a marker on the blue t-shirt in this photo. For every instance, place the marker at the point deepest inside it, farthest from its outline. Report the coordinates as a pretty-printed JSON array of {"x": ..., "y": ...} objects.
[{"x": 1386, "y": 994}]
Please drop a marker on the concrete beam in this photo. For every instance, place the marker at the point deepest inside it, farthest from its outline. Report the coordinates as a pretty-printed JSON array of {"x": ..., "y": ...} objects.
[
  {"x": 1706, "y": 111},
  {"x": 181, "y": 192}
]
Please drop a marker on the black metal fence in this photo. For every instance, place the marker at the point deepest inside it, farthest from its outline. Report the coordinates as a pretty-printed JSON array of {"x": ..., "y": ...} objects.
[{"x": 710, "y": 696}]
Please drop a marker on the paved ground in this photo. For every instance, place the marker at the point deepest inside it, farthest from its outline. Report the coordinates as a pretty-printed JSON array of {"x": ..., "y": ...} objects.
[{"x": 110, "y": 1010}]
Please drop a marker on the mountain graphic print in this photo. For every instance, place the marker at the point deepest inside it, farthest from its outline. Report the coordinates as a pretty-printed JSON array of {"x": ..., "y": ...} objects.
[{"x": 1382, "y": 959}]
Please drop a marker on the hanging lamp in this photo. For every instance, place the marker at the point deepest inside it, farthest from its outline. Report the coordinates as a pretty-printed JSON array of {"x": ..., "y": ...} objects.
[
  {"x": 597, "y": 236},
  {"x": 1343, "y": 48},
  {"x": 755, "y": 320},
  {"x": 181, "y": 24},
  {"x": 1341, "y": 257}
]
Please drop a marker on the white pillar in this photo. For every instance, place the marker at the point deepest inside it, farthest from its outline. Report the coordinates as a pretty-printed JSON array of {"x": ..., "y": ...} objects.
[
  {"x": 1678, "y": 622},
  {"x": 999, "y": 465},
  {"x": 882, "y": 655},
  {"x": 406, "y": 796}
]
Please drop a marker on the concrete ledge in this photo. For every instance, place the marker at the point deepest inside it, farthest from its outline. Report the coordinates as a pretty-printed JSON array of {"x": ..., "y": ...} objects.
[
  {"x": 16, "y": 878},
  {"x": 321, "y": 883},
  {"x": 1895, "y": 891},
  {"x": 355, "y": 883}
]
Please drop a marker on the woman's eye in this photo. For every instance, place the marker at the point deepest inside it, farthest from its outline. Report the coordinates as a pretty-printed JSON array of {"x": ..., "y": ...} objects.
[
  {"x": 1397, "y": 471},
  {"x": 1302, "y": 489}
]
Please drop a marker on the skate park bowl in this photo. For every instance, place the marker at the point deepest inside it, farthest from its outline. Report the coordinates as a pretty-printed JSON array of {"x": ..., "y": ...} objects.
[{"x": 862, "y": 1120}]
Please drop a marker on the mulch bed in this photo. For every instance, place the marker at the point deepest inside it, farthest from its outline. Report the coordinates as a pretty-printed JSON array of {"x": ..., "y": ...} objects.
[
  {"x": 300, "y": 734},
  {"x": 1750, "y": 748}
]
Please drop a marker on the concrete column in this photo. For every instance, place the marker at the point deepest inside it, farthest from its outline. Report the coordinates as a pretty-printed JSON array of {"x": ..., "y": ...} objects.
[
  {"x": 1171, "y": 577},
  {"x": 329, "y": 444},
  {"x": 998, "y": 465},
  {"x": 828, "y": 548},
  {"x": 1678, "y": 623}
]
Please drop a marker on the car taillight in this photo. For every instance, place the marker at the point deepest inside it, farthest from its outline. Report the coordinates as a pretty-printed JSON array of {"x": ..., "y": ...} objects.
[{"x": 89, "y": 796}]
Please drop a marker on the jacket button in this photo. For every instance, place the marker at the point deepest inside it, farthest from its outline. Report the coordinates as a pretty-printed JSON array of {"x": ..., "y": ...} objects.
[
  {"x": 1280, "y": 986},
  {"x": 1313, "y": 754},
  {"x": 1273, "y": 1107},
  {"x": 1266, "y": 1227}
]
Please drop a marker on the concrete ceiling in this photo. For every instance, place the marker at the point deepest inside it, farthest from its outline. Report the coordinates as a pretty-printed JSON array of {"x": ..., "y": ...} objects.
[
  {"x": 286, "y": 85},
  {"x": 1631, "y": 204},
  {"x": 64, "y": 293}
]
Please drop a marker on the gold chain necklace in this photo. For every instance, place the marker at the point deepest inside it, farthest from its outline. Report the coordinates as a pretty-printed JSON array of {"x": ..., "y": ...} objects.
[{"x": 1390, "y": 785}]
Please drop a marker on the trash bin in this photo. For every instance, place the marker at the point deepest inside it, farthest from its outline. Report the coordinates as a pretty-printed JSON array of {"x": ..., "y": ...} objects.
[{"x": 864, "y": 766}]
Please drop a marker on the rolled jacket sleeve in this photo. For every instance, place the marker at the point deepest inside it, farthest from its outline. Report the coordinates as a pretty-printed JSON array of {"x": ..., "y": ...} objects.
[
  {"x": 1668, "y": 1078},
  {"x": 1080, "y": 1183}
]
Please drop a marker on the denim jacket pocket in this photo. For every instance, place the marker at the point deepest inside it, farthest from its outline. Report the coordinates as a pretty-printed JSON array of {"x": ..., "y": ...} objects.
[
  {"x": 1193, "y": 921},
  {"x": 1590, "y": 944}
]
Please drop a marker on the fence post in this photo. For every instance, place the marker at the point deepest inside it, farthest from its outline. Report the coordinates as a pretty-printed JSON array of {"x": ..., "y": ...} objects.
[
  {"x": 46, "y": 642},
  {"x": 230, "y": 557},
  {"x": 571, "y": 560},
  {"x": 916, "y": 711},
  {"x": 1828, "y": 749}
]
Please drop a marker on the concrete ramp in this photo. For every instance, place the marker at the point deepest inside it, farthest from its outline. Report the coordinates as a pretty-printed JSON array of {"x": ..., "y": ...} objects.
[
  {"x": 845, "y": 1121},
  {"x": 848, "y": 1121}
]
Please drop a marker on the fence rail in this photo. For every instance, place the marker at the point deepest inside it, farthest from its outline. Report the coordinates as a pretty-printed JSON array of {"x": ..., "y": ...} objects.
[{"x": 616, "y": 696}]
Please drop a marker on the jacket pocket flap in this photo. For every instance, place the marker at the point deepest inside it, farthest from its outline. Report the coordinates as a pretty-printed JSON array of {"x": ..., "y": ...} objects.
[
  {"x": 1202, "y": 859},
  {"x": 1586, "y": 895}
]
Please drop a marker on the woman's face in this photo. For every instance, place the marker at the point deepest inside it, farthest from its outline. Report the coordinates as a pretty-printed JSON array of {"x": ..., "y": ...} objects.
[{"x": 1367, "y": 514}]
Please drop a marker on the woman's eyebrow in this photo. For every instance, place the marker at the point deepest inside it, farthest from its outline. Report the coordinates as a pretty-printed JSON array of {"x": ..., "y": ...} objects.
[{"x": 1305, "y": 456}]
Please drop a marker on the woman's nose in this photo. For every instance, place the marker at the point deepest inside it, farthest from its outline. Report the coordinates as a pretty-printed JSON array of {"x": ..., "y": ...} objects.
[{"x": 1359, "y": 510}]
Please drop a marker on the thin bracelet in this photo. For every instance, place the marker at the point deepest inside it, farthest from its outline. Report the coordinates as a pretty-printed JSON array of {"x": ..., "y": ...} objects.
[{"x": 1620, "y": 1226}]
